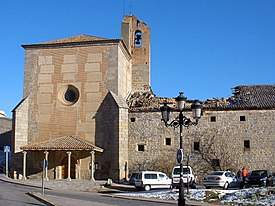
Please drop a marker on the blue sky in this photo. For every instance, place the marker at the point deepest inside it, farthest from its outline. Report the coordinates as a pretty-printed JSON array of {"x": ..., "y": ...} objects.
[{"x": 203, "y": 47}]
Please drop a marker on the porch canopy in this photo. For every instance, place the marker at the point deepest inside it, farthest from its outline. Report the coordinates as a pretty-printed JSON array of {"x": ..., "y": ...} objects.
[
  {"x": 65, "y": 143},
  {"x": 68, "y": 143}
]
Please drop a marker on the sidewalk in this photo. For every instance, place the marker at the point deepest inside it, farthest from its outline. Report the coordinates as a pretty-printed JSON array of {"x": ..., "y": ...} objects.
[{"x": 73, "y": 185}]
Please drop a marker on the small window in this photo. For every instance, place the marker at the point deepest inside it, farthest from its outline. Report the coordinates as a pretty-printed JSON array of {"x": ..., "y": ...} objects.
[
  {"x": 141, "y": 147},
  {"x": 168, "y": 141},
  {"x": 213, "y": 119},
  {"x": 242, "y": 118},
  {"x": 150, "y": 176},
  {"x": 196, "y": 146},
  {"x": 215, "y": 163},
  {"x": 246, "y": 144},
  {"x": 133, "y": 119}
]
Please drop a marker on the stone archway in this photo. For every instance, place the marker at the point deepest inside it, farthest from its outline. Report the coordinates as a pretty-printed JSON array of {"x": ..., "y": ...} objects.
[{"x": 64, "y": 170}]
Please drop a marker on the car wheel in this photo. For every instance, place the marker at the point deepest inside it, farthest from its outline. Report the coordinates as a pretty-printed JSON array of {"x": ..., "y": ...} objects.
[
  {"x": 226, "y": 186},
  {"x": 147, "y": 187}
]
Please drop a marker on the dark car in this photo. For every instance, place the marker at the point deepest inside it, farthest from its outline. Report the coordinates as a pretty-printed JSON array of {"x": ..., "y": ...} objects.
[
  {"x": 133, "y": 178},
  {"x": 260, "y": 178}
]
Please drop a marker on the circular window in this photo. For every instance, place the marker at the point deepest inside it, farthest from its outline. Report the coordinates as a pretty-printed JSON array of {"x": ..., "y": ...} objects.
[{"x": 69, "y": 95}]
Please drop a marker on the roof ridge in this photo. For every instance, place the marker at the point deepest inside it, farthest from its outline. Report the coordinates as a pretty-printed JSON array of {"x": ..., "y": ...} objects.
[{"x": 74, "y": 38}]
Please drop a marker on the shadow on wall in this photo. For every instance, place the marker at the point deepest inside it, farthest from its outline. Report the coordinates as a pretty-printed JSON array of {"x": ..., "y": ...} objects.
[
  {"x": 106, "y": 137},
  {"x": 56, "y": 158},
  {"x": 5, "y": 139}
]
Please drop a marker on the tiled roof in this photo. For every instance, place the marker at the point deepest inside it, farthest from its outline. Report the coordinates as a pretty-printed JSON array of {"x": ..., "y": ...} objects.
[
  {"x": 82, "y": 39},
  {"x": 78, "y": 38},
  {"x": 253, "y": 97},
  {"x": 63, "y": 143}
]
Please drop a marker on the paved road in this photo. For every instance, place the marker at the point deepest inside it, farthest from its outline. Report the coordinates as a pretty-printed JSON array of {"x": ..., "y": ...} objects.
[
  {"x": 96, "y": 199},
  {"x": 15, "y": 195}
]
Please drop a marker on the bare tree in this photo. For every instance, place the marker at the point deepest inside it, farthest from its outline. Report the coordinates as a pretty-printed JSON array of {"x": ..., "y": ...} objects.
[{"x": 217, "y": 152}]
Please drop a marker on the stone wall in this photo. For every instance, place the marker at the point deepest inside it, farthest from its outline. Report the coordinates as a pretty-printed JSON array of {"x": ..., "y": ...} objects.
[
  {"x": 92, "y": 70},
  {"x": 112, "y": 136},
  {"x": 228, "y": 133},
  {"x": 141, "y": 62},
  {"x": 20, "y": 124}
]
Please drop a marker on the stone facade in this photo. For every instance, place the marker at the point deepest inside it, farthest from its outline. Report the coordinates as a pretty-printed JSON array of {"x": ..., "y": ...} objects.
[
  {"x": 239, "y": 137},
  {"x": 92, "y": 70}
]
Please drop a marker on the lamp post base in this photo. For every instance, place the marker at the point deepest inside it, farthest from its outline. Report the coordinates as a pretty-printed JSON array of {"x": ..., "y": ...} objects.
[{"x": 181, "y": 200}]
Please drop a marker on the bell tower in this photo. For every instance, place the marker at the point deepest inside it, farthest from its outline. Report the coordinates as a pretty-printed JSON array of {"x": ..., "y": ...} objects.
[{"x": 136, "y": 35}]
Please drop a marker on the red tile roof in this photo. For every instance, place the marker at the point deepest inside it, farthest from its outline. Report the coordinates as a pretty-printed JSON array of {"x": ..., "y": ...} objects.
[{"x": 63, "y": 143}]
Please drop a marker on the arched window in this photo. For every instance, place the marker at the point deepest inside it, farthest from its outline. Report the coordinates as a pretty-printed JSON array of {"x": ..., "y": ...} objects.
[{"x": 138, "y": 38}]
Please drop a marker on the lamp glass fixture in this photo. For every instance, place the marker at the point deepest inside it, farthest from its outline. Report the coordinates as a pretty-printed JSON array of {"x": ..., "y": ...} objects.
[
  {"x": 196, "y": 109},
  {"x": 180, "y": 101},
  {"x": 165, "y": 112}
]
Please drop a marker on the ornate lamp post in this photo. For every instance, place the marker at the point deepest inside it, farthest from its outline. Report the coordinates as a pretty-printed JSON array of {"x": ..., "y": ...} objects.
[{"x": 181, "y": 121}]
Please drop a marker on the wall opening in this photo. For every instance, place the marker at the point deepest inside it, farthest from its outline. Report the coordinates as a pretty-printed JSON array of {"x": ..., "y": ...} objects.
[
  {"x": 141, "y": 147},
  {"x": 213, "y": 119},
  {"x": 168, "y": 141},
  {"x": 242, "y": 118},
  {"x": 138, "y": 38}
]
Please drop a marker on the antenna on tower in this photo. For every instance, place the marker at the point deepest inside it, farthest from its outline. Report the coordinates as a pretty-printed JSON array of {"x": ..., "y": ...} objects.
[
  {"x": 127, "y": 7},
  {"x": 131, "y": 7}
]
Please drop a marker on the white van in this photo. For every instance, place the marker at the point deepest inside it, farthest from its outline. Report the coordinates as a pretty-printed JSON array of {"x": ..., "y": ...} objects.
[
  {"x": 151, "y": 179},
  {"x": 188, "y": 176}
]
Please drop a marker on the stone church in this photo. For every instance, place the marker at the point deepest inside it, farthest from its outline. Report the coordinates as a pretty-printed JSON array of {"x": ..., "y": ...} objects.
[
  {"x": 74, "y": 107},
  {"x": 88, "y": 109}
]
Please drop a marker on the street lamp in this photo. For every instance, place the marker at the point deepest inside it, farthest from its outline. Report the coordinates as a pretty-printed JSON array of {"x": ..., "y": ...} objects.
[{"x": 181, "y": 121}]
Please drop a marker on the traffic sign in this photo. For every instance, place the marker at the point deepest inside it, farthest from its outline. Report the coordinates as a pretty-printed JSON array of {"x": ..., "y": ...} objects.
[{"x": 7, "y": 148}]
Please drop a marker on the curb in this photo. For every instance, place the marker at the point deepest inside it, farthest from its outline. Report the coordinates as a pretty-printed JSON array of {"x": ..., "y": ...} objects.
[
  {"x": 172, "y": 202},
  {"x": 40, "y": 198}
]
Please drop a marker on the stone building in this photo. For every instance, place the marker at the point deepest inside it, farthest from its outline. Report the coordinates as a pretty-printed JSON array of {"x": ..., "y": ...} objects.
[
  {"x": 232, "y": 133},
  {"x": 88, "y": 109}
]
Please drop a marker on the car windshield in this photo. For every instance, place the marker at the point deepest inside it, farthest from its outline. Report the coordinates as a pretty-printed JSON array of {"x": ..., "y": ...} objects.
[
  {"x": 259, "y": 173},
  {"x": 139, "y": 175},
  {"x": 134, "y": 175},
  {"x": 177, "y": 170},
  {"x": 216, "y": 173}
]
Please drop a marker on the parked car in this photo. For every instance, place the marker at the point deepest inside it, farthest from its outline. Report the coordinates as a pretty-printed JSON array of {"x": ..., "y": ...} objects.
[
  {"x": 260, "y": 178},
  {"x": 133, "y": 178},
  {"x": 148, "y": 180},
  {"x": 224, "y": 179},
  {"x": 188, "y": 176}
]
